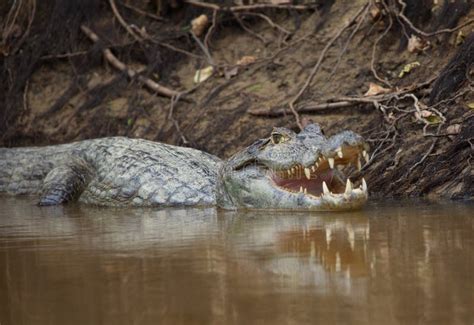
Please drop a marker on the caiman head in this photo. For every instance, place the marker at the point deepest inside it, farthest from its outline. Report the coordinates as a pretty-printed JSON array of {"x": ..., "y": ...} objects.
[{"x": 295, "y": 171}]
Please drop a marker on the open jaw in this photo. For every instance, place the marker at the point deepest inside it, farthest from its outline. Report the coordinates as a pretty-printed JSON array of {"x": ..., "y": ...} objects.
[{"x": 323, "y": 183}]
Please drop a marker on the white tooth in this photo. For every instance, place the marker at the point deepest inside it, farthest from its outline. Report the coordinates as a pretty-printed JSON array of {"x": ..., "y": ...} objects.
[
  {"x": 293, "y": 170},
  {"x": 313, "y": 169},
  {"x": 348, "y": 187},
  {"x": 289, "y": 172},
  {"x": 331, "y": 162},
  {"x": 364, "y": 185},
  {"x": 339, "y": 152},
  {"x": 316, "y": 164},
  {"x": 325, "y": 189},
  {"x": 301, "y": 188},
  {"x": 366, "y": 156},
  {"x": 359, "y": 165},
  {"x": 307, "y": 172},
  {"x": 305, "y": 191}
]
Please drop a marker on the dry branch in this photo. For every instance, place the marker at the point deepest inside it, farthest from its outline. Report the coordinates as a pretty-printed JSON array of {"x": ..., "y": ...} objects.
[
  {"x": 246, "y": 7},
  {"x": 342, "y": 102},
  {"x": 114, "y": 61},
  {"x": 310, "y": 108}
]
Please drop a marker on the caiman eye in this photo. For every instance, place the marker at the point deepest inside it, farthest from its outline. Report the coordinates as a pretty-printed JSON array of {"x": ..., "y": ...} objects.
[{"x": 277, "y": 138}]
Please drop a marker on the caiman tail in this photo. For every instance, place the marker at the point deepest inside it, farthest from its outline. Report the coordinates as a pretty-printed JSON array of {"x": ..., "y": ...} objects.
[{"x": 23, "y": 170}]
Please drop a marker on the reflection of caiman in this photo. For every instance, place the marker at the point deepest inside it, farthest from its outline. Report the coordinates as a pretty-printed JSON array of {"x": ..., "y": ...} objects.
[{"x": 285, "y": 171}]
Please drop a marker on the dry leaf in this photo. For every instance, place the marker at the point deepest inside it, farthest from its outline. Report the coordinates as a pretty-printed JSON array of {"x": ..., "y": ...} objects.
[
  {"x": 199, "y": 24},
  {"x": 453, "y": 129},
  {"x": 470, "y": 105},
  {"x": 428, "y": 116},
  {"x": 203, "y": 74},
  {"x": 375, "y": 89},
  {"x": 416, "y": 44},
  {"x": 460, "y": 37},
  {"x": 247, "y": 59},
  {"x": 425, "y": 113},
  {"x": 375, "y": 12},
  {"x": 229, "y": 73}
]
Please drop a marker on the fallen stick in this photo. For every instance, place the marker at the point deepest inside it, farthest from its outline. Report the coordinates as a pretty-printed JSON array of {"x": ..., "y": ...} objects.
[
  {"x": 247, "y": 7},
  {"x": 311, "y": 108},
  {"x": 340, "y": 102},
  {"x": 115, "y": 62}
]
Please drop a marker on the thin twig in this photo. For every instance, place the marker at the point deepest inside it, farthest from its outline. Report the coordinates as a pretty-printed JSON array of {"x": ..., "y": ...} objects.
[
  {"x": 349, "y": 39},
  {"x": 142, "y": 12},
  {"x": 63, "y": 56},
  {"x": 246, "y": 7},
  {"x": 211, "y": 29},
  {"x": 173, "y": 101},
  {"x": 147, "y": 37},
  {"x": 428, "y": 152},
  {"x": 204, "y": 49},
  {"x": 374, "y": 49},
  {"x": 401, "y": 14},
  {"x": 318, "y": 64},
  {"x": 248, "y": 30},
  {"x": 343, "y": 101},
  {"x": 311, "y": 108},
  {"x": 28, "y": 28},
  {"x": 269, "y": 21},
  {"x": 10, "y": 22},
  {"x": 25, "y": 95},
  {"x": 176, "y": 49},
  {"x": 123, "y": 22}
]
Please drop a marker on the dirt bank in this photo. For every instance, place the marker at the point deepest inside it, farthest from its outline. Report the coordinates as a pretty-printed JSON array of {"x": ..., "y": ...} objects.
[{"x": 58, "y": 87}]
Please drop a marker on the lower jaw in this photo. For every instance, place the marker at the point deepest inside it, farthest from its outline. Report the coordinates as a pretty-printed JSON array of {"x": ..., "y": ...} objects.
[
  {"x": 339, "y": 202},
  {"x": 316, "y": 200},
  {"x": 320, "y": 204}
]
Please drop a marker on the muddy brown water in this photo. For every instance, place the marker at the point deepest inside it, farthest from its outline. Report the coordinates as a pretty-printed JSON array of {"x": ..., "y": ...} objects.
[{"x": 394, "y": 262}]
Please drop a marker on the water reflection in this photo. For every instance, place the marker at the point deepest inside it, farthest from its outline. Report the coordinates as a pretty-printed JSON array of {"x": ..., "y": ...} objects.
[{"x": 391, "y": 263}]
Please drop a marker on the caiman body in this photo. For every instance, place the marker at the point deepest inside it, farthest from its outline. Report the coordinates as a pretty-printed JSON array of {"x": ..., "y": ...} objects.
[{"x": 284, "y": 171}]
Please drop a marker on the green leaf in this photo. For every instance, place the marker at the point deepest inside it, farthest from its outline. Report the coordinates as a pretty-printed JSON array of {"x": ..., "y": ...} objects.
[
  {"x": 407, "y": 68},
  {"x": 255, "y": 87},
  {"x": 433, "y": 119}
]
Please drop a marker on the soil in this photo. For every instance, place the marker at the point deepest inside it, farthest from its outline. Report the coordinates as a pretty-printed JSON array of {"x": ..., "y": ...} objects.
[{"x": 64, "y": 100}]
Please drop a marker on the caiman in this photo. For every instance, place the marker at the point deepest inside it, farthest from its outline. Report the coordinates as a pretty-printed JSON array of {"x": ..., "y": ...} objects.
[{"x": 286, "y": 170}]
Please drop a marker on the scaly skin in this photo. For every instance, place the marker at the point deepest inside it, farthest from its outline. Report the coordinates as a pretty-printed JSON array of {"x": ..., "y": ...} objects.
[{"x": 120, "y": 171}]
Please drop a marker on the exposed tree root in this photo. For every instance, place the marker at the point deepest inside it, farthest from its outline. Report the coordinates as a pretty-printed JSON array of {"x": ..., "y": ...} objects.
[{"x": 115, "y": 62}]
